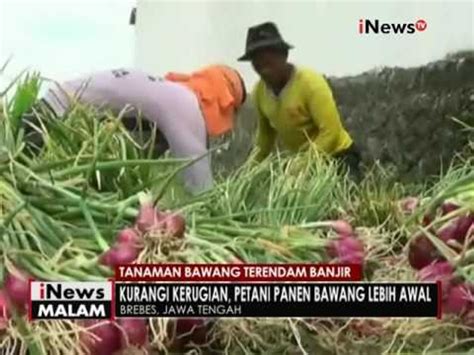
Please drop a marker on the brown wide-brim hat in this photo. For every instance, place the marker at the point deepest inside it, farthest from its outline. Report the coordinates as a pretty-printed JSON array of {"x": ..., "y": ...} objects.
[{"x": 265, "y": 35}]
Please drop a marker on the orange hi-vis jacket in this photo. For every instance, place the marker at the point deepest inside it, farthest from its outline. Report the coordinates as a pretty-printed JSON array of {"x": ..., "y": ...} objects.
[{"x": 219, "y": 91}]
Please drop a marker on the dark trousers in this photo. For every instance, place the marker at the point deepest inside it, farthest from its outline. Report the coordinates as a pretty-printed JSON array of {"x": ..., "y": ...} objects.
[
  {"x": 351, "y": 160},
  {"x": 33, "y": 135},
  {"x": 34, "y": 140},
  {"x": 132, "y": 124}
]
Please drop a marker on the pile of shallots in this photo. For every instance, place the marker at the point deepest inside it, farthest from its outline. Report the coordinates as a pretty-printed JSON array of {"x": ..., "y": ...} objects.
[
  {"x": 129, "y": 242},
  {"x": 457, "y": 234},
  {"x": 347, "y": 248}
]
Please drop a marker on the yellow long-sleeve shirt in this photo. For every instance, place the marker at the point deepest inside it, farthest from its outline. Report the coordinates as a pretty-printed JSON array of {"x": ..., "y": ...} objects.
[{"x": 305, "y": 109}]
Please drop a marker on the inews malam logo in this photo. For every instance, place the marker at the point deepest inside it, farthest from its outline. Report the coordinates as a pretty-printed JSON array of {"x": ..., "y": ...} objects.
[
  {"x": 375, "y": 26},
  {"x": 70, "y": 300}
]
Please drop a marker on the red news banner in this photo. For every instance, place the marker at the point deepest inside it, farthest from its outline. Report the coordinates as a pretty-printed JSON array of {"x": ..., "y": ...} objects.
[{"x": 239, "y": 272}]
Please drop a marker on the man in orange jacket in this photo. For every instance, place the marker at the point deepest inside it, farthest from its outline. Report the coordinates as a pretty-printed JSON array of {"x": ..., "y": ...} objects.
[{"x": 294, "y": 104}]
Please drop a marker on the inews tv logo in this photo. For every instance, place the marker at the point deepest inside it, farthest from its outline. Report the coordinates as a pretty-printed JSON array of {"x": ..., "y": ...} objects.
[
  {"x": 57, "y": 291},
  {"x": 70, "y": 300},
  {"x": 375, "y": 26}
]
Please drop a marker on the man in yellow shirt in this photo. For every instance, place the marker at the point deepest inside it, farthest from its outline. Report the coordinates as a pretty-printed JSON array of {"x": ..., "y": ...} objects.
[{"x": 294, "y": 104}]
